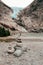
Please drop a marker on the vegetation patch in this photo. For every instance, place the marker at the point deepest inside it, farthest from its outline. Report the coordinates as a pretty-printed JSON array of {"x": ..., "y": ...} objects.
[
  {"x": 40, "y": 0},
  {"x": 4, "y": 32}
]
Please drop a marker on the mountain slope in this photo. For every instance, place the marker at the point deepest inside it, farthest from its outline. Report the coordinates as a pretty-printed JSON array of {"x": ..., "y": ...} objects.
[
  {"x": 6, "y": 20},
  {"x": 31, "y": 18}
]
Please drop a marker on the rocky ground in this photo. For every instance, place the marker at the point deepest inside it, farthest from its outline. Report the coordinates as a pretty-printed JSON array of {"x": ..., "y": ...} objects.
[
  {"x": 22, "y": 49},
  {"x": 26, "y": 52}
]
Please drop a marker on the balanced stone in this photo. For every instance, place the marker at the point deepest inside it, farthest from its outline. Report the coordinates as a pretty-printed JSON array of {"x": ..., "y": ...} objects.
[
  {"x": 10, "y": 50},
  {"x": 18, "y": 53}
]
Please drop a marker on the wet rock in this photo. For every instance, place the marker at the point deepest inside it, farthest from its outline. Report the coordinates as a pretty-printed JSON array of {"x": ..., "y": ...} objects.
[
  {"x": 18, "y": 53},
  {"x": 10, "y": 50}
]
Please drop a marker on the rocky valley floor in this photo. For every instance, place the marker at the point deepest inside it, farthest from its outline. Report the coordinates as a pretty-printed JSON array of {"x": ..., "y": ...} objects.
[{"x": 32, "y": 56}]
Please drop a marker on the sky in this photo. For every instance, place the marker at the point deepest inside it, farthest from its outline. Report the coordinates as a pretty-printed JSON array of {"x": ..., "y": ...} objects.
[{"x": 18, "y": 3}]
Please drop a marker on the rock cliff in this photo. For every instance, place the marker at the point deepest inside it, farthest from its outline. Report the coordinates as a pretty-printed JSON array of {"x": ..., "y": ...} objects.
[
  {"x": 6, "y": 20},
  {"x": 31, "y": 18}
]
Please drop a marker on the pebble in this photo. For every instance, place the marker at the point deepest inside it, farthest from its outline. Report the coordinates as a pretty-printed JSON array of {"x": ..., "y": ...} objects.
[
  {"x": 10, "y": 50},
  {"x": 18, "y": 53}
]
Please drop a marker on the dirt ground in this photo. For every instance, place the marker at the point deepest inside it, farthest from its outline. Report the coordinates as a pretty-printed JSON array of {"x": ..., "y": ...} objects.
[{"x": 33, "y": 56}]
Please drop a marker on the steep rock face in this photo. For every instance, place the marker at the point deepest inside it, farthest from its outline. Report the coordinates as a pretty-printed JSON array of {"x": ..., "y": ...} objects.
[
  {"x": 6, "y": 20},
  {"x": 31, "y": 18},
  {"x": 5, "y": 11}
]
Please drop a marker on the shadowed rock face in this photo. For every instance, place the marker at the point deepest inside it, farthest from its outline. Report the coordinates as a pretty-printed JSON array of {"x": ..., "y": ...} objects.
[{"x": 31, "y": 17}]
